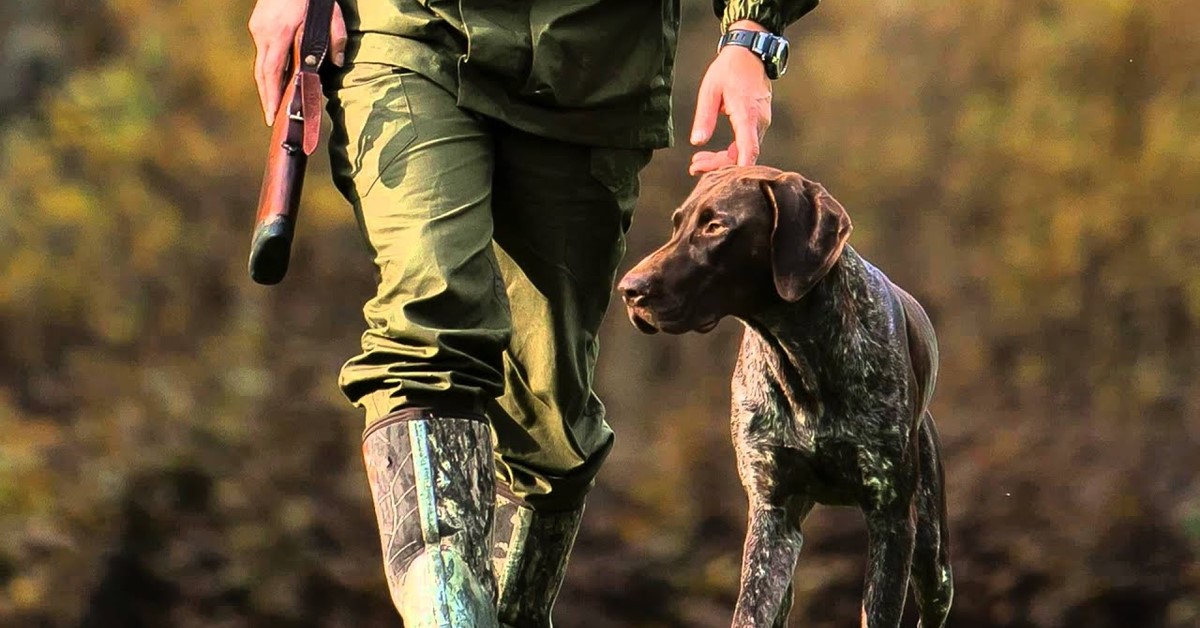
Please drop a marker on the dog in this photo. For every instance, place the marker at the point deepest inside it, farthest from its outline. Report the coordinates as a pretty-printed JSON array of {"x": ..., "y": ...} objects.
[{"x": 831, "y": 390}]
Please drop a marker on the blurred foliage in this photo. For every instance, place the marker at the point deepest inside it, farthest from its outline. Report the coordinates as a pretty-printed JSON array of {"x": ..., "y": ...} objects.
[{"x": 174, "y": 451}]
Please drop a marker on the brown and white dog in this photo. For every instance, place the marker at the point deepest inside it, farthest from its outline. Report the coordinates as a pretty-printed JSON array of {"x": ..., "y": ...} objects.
[{"x": 832, "y": 386}]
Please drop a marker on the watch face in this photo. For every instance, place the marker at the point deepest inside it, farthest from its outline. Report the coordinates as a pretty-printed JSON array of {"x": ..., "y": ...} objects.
[{"x": 780, "y": 58}]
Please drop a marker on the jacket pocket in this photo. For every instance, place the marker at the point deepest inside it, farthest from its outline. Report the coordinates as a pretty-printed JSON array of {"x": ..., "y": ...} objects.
[
  {"x": 618, "y": 170},
  {"x": 594, "y": 53}
]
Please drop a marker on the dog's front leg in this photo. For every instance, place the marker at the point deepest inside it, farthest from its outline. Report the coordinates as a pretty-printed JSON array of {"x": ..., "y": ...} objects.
[
  {"x": 773, "y": 543},
  {"x": 891, "y": 536}
]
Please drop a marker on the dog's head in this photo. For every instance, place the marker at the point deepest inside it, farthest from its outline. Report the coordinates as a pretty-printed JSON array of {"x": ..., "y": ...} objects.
[{"x": 745, "y": 238}]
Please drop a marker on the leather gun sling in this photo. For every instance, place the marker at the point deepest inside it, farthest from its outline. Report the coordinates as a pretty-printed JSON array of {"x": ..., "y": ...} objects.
[{"x": 314, "y": 46}]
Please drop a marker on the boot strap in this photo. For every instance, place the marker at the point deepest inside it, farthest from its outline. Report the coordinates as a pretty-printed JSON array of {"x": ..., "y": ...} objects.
[{"x": 420, "y": 414}]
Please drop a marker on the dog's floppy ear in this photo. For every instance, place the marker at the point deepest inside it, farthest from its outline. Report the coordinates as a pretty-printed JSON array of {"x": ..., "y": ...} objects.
[{"x": 811, "y": 229}]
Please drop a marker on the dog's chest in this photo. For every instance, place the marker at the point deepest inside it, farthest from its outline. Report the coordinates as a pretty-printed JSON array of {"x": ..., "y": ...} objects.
[
  {"x": 772, "y": 405},
  {"x": 791, "y": 424}
]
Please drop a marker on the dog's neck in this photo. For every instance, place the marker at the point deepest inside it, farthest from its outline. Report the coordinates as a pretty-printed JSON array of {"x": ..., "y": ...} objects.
[
  {"x": 829, "y": 339},
  {"x": 823, "y": 316}
]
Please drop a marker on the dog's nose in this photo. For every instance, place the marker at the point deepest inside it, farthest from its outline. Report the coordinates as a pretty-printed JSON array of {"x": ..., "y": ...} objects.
[{"x": 633, "y": 288}]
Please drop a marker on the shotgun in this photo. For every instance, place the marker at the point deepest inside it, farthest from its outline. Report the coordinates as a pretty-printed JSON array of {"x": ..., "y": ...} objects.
[{"x": 294, "y": 135}]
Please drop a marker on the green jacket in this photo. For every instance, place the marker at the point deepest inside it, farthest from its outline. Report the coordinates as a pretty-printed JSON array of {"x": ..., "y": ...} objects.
[{"x": 595, "y": 72}]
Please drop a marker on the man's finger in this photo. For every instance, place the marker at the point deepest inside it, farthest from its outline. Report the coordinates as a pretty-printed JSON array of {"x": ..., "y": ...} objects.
[
  {"x": 705, "y": 161},
  {"x": 708, "y": 105},
  {"x": 701, "y": 167},
  {"x": 708, "y": 154},
  {"x": 275, "y": 59},
  {"x": 337, "y": 36},
  {"x": 707, "y": 166},
  {"x": 764, "y": 123},
  {"x": 702, "y": 163},
  {"x": 745, "y": 135},
  {"x": 260, "y": 81}
]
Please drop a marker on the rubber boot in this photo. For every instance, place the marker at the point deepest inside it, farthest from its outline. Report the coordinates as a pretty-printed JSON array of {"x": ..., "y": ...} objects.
[
  {"x": 530, "y": 560},
  {"x": 433, "y": 482}
]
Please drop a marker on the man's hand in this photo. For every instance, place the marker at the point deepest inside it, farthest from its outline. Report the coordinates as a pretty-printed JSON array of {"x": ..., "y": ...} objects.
[
  {"x": 273, "y": 25},
  {"x": 735, "y": 84}
]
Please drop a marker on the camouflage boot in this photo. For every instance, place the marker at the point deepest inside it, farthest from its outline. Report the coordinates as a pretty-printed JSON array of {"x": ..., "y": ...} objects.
[
  {"x": 433, "y": 482},
  {"x": 530, "y": 560}
]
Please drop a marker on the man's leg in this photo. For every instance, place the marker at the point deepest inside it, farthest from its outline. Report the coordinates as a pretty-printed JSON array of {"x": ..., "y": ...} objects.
[
  {"x": 561, "y": 213},
  {"x": 418, "y": 172}
]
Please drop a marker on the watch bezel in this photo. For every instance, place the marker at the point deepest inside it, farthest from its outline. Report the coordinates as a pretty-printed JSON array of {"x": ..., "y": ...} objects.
[{"x": 779, "y": 57}]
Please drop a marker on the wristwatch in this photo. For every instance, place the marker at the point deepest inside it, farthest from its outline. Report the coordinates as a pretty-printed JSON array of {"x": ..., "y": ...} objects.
[{"x": 771, "y": 48}]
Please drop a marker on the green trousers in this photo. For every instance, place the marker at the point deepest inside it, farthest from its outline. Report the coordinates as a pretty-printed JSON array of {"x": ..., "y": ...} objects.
[{"x": 496, "y": 253}]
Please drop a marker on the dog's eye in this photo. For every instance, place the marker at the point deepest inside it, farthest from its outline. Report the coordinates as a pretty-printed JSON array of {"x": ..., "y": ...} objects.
[
  {"x": 676, "y": 220},
  {"x": 714, "y": 228}
]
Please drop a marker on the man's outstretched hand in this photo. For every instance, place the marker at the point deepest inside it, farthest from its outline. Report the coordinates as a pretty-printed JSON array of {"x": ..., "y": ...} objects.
[
  {"x": 273, "y": 25},
  {"x": 735, "y": 84}
]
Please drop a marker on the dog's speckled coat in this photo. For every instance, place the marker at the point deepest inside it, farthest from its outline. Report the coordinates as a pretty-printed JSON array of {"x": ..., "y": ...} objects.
[{"x": 831, "y": 390}]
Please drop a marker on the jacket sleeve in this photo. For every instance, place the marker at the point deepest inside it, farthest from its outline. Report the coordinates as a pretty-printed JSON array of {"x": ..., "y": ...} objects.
[{"x": 774, "y": 15}]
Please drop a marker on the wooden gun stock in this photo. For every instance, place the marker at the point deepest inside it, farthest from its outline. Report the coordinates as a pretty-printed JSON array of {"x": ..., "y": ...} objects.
[
  {"x": 294, "y": 136},
  {"x": 279, "y": 199}
]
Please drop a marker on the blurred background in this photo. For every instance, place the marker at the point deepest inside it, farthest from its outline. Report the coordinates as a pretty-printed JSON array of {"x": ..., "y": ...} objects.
[{"x": 174, "y": 450}]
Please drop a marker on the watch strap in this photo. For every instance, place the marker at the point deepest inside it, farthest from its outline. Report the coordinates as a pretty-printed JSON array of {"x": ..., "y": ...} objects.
[
  {"x": 758, "y": 41},
  {"x": 769, "y": 47},
  {"x": 738, "y": 37}
]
